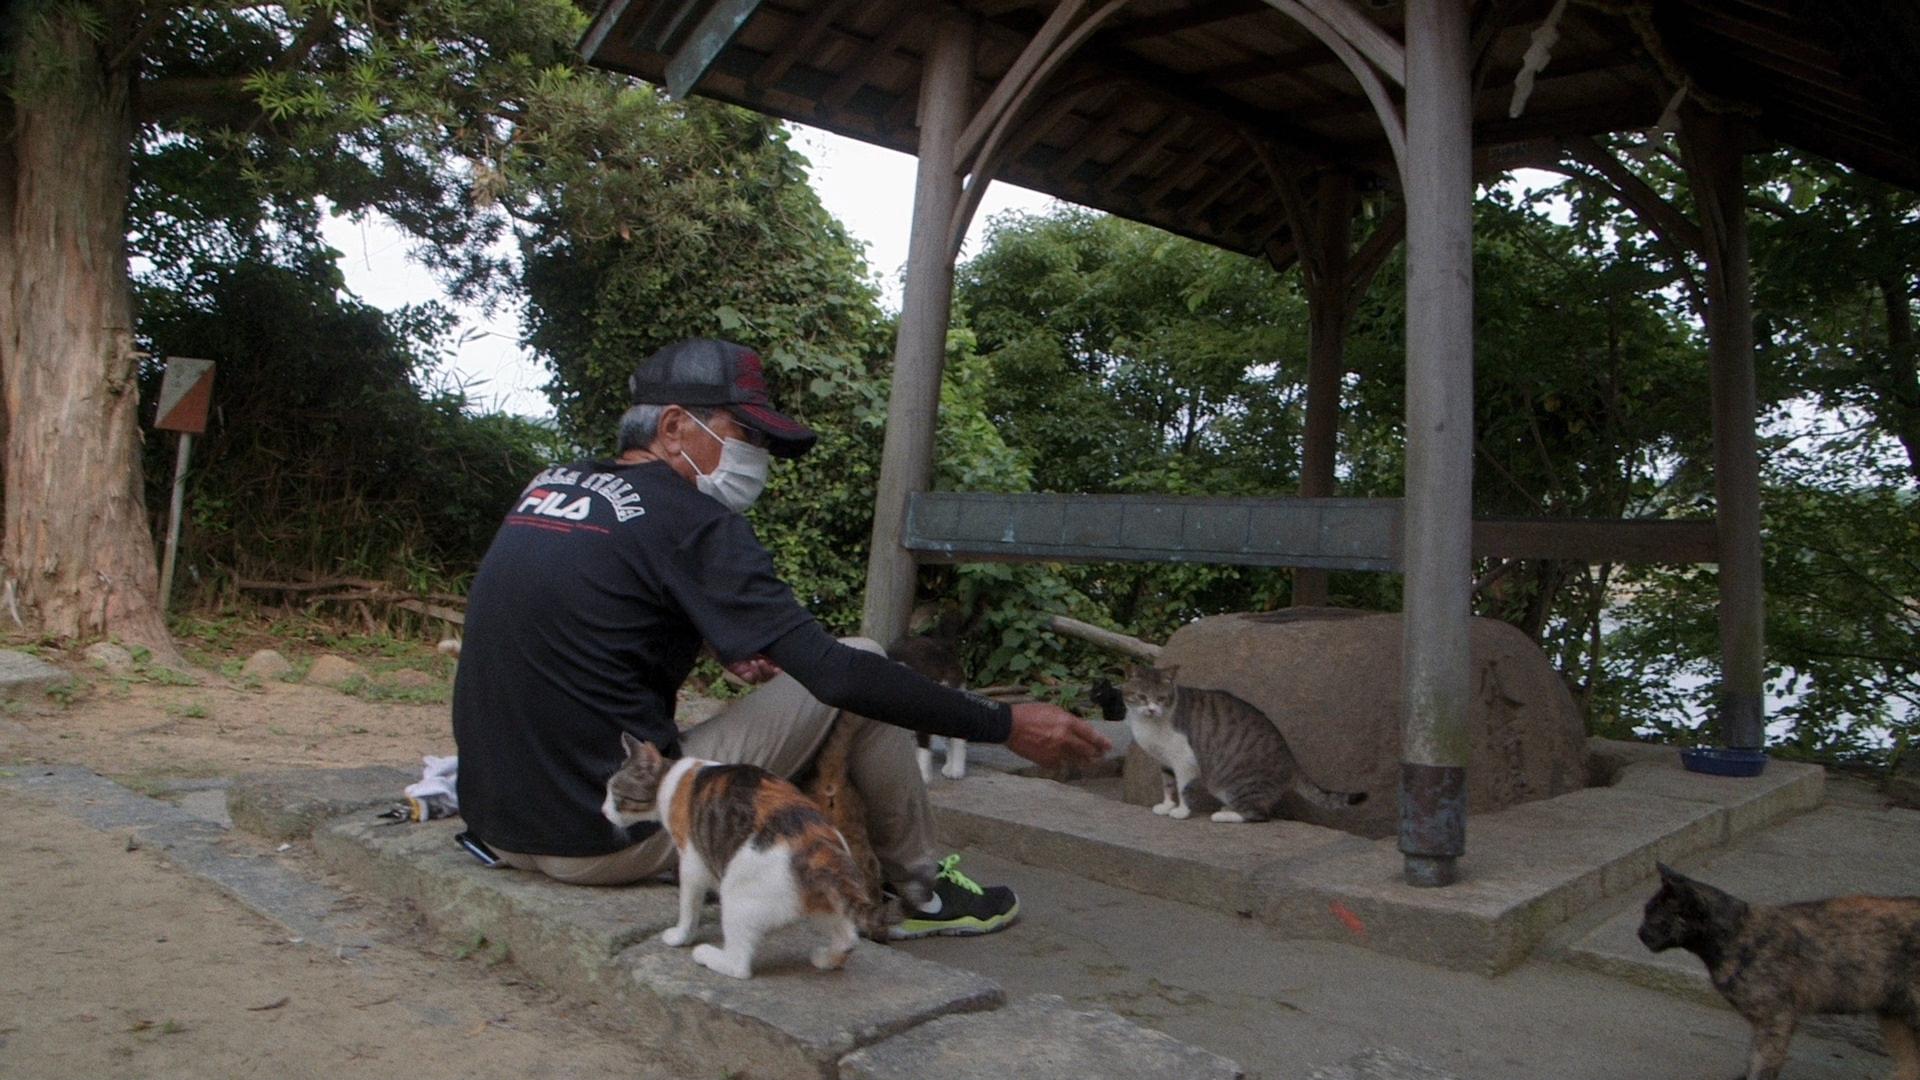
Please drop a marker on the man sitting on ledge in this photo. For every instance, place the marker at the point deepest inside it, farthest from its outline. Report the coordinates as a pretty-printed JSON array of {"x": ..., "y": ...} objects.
[{"x": 593, "y": 603}]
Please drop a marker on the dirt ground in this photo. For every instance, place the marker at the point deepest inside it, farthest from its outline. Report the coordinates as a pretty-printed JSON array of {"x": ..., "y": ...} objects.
[{"x": 119, "y": 965}]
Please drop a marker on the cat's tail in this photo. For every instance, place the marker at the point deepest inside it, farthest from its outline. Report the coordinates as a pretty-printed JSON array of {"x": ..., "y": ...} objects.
[
  {"x": 1332, "y": 800},
  {"x": 832, "y": 881}
]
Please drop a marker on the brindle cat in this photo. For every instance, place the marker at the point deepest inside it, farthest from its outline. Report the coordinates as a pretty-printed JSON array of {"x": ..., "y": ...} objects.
[
  {"x": 1775, "y": 964},
  {"x": 1212, "y": 743}
]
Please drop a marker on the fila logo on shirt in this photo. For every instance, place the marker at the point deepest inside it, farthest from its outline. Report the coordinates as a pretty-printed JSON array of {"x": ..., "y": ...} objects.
[{"x": 548, "y": 504}]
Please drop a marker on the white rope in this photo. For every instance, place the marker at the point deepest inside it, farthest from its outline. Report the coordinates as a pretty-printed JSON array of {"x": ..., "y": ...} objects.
[{"x": 1539, "y": 52}]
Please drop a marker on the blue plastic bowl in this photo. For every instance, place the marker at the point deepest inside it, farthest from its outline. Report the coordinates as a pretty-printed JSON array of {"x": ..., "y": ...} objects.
[{"x": 1722, "y": 761}]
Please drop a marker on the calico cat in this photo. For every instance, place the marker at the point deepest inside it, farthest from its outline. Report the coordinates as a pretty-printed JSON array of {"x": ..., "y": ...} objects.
[
  {"x": 1774, "y": 964},
  {"x": 769, "y": 849},
  {"x": 937, "y": 656},
  {"x": 1212, "y": 744}
]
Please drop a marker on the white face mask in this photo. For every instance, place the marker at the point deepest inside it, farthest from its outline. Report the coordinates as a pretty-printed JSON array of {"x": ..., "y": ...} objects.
[{"x": 739, "y": 477}]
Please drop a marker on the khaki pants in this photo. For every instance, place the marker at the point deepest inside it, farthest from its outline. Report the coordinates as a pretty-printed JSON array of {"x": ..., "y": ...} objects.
[{"x": 780, "y": 727}]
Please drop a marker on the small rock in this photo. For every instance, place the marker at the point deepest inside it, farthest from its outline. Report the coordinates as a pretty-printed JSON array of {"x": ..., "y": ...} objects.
[
  {"x": 411, "y": 679},
  {"x": 27, "y": 677},
  {"x": 108, "y": 657},
  {"x": 334, "y": 671},
  {"x": 266, "y": 664}
]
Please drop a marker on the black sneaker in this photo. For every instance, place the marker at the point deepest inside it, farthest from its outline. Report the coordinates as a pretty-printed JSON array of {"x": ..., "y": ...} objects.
[{"x": 966, "y": 908}]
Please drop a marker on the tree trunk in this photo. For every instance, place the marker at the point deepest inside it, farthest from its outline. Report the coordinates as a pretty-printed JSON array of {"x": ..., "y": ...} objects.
[
  {"x": 1900, "y": 396},
  {"x": 78, "y": 556}
]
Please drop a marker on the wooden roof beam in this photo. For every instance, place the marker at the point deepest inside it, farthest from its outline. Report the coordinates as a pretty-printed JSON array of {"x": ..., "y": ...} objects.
[
  {"x": 1197, "y": 207},
  {"x": 1093, "y": 59},
  {"x": 1097, "y": 132},
  {"x": 1173, "y": 22},
  {"x": 1292, "y": 62},
  {"x": 1169, "y": 128},
  {"x": 800, "y": 43},
  {"x": 880, "y": 49}
]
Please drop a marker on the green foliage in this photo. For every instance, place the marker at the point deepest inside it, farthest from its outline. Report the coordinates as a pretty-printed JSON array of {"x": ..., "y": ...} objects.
[
  {"x": 695, "y": 220},
  {"x": 328, "y": 453},
  {"x": 1836, "y": 259},
  {"x": 1841, "y": 532},
  {"x": 1117, "y": 348}
]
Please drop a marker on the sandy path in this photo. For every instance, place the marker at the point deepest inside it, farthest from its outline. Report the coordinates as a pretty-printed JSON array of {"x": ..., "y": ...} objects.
[{"x": 117, "y": 965}]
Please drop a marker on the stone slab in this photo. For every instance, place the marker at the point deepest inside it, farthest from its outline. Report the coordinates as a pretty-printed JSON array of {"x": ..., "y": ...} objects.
[
  {"x": 565, "y": 935},
  {"x": 1528, "y": 869},
  {"x": 788, "y": 1021},
  {"x": 289, "y": 805},
  {"x": 261, "y": 881},
  {"x": 1835, "y": 850},
  {"x": 1036, "y": 1038},
  {"x": 1750, "y": 803},
  {"x": 25, "y": 676},
  {"x": 1043, "y": 823}
]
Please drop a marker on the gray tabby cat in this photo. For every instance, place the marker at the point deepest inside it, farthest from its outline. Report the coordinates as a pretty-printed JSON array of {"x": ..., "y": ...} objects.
[{"x": 1215, "y": 745}]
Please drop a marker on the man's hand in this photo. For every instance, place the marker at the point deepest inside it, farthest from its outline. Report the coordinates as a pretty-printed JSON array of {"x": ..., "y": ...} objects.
[
  {"x": 753, "y": 672},
  {"x": 1050, "y": 735}
]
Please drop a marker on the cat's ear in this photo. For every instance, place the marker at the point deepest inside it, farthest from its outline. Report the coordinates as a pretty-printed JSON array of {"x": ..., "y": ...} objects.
[
  {"x": 1669, "y": 875},
  {"x": 634, "y": 747},
  {"x": 1168, "y": 673}
]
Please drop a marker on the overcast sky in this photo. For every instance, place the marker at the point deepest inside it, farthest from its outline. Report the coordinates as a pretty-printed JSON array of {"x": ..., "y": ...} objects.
[{"x": 869, "y": 189}]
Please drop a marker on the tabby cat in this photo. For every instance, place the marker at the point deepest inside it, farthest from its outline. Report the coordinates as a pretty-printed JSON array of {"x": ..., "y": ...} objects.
[
  {"x": 1215, "y": 746},
  {"x": 774, "y": 855}
]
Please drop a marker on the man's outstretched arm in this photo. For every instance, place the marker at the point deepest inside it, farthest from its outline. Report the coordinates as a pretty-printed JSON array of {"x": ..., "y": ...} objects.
[{"x": 872, "y": 685}]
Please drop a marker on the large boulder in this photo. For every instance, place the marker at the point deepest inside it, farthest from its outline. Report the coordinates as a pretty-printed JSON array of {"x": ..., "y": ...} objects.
[{"x": 1329, "y": 679}]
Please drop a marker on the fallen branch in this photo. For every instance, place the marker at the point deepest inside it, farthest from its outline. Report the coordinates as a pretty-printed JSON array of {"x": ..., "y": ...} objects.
[
  {"x": 354, "y": 589},
  {"x": 436, "y": 611},
  {"x": 1106, "y": 639}
]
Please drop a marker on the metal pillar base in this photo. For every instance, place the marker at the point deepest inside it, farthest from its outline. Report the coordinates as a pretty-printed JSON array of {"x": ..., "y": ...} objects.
[
  {"x": 1431, "y": 871},
  {"x": 1433, "y": 822}
]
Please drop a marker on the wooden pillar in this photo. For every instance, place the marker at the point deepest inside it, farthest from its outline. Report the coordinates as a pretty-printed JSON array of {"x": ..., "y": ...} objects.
[
  {"x": 1712, "y": 146},
  {"x": 919, "y": 351},
  {"x": 1438, "y": 518},
  {"x": 1325, "y": 263}
]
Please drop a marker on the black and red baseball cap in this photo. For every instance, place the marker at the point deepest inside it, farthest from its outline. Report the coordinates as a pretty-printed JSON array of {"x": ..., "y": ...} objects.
[{"x": 706, "y": 371}]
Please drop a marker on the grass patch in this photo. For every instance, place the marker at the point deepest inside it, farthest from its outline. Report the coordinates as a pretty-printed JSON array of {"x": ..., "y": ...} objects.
[{"x": 369, "y": 689}]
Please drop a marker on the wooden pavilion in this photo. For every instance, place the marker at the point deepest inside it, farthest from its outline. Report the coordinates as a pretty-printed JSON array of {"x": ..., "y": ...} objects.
[{"x": 1258, "y": 125}]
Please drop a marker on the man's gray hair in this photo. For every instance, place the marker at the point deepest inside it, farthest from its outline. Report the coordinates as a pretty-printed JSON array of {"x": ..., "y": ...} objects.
[{"x": 641, "y": 423}]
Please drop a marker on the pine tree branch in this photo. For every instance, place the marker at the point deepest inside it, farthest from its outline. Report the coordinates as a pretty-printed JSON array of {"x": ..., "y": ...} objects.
[{"x": 221, "y": 99}]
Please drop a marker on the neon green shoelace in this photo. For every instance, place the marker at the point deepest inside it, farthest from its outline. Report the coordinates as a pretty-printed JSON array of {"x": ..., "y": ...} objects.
[{"x": 950, "y": 870}]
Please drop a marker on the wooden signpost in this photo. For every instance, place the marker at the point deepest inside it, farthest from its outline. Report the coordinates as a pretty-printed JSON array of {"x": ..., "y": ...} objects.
[{"x": 185, "y": 392}]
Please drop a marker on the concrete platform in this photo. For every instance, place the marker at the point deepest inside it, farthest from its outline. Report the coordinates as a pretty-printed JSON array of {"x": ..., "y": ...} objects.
[
  {"x": 599, "y": 943},
  {"x": 1856, "y": 843},
  {"x": 1527, "y": 870},
  {"x": 1287, "y": 1008}
]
